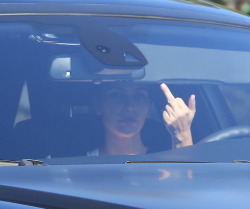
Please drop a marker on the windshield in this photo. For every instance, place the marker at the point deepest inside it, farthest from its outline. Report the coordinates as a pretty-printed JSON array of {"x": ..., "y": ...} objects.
[{"x": 106, "y": 86}]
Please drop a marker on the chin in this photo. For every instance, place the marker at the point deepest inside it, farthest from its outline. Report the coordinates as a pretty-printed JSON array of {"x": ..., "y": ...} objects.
[{"x": 128, "y": 132}]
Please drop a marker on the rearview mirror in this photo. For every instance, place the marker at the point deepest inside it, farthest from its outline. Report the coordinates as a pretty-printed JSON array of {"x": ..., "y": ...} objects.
[{"x": 78, "y": 67}]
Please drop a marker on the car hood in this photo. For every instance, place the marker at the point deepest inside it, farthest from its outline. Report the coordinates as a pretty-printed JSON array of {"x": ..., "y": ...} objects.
[{"x": 144, "y": 185}]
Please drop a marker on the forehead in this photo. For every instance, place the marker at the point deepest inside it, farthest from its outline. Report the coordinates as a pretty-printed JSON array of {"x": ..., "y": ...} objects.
[{"x": 125, "y": 86}]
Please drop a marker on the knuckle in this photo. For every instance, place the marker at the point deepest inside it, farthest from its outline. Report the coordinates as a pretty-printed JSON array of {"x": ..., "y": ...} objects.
[
  {"x": 182, "y": 115},
  {"x": 170, "y": 100},
  {"x": 185, "y": 114},
  {"x": 180, "y": 101},
  {"x": 169, "y": 123}
]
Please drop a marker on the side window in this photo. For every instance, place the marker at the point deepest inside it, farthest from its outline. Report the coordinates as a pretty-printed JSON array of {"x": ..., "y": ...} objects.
[
  {"x": 23, "y": 111},
  {"x": 238, "y": 99}
]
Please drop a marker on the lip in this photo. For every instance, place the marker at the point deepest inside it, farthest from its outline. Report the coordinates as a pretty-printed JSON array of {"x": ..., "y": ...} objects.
[{"x": 128, "y": 121}]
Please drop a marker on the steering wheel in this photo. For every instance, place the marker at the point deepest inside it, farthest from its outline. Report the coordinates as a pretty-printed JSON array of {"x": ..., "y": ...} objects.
[{"x": 228, "y": 133}]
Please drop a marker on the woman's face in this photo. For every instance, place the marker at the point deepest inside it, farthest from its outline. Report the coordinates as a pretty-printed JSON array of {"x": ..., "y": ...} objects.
[{"x": 123, "y": 107}]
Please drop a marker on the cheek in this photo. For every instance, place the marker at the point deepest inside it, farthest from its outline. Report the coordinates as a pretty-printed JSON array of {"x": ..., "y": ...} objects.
[
  {"x": 109, "y": 115},
  {"x": 109, "y": 109},
  {"x": 143, "y": 110}
]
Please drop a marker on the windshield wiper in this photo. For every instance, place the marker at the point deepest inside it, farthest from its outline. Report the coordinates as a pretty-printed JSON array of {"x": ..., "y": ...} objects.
[
  {"x": 241, "y": 161},
  {"x": 23, "y": 162},
  {"x": 30, "y": 162},
  {"x": 130, "y": 162},
  {"x": 8, "y": 163}
]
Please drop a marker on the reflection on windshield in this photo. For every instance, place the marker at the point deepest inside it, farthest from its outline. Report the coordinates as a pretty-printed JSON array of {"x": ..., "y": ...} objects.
[{"x": 165, "y": 174}]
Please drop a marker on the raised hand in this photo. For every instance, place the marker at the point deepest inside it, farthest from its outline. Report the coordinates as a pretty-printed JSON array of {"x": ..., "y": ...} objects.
[{"x": 178, "y": 118}]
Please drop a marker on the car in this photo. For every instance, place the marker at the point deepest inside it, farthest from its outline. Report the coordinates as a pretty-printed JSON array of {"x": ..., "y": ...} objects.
[{"x": 57, "y": 56}]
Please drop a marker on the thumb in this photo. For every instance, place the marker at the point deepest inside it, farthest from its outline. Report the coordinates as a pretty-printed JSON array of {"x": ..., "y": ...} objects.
[{"x": 191, "y": 103}]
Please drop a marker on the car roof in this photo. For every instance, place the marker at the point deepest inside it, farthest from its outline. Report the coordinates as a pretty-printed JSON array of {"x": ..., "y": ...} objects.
[{"x": 184, "y": 9}]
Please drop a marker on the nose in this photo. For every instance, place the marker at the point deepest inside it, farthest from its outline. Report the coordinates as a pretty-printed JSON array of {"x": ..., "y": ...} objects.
[
  {"x": 129, "y": 108},
  {"x": 129, "y": 104}
]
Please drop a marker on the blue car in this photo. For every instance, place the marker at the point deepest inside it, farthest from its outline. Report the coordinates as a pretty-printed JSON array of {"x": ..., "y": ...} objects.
[{"x": 124, "y": 104}]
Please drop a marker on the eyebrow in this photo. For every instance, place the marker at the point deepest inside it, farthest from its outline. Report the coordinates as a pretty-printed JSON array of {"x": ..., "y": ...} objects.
[
  {"x": 142, "y": 88},
  {"x": 114, "y": 88},
  {"x": 137, "y": 89}
]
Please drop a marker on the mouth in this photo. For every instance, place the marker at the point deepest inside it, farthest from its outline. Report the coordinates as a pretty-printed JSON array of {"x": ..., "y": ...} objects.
[{"x": 128, "y": 121}]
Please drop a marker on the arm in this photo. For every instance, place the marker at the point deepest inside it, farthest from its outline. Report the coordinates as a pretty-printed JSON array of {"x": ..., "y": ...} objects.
[{"x": 178, "y": 118}]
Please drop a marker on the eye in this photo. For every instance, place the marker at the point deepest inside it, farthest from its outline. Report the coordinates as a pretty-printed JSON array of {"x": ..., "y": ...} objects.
[
  {"x": 141, "y": 96},
  {"x": 115, "y": 95}
]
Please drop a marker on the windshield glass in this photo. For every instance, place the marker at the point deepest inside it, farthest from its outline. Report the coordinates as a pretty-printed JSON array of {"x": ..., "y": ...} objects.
[{"x": 98, "y": 86}]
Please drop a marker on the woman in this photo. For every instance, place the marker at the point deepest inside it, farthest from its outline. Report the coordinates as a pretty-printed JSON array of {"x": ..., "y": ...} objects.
[{"x": 124, "y": 106}]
